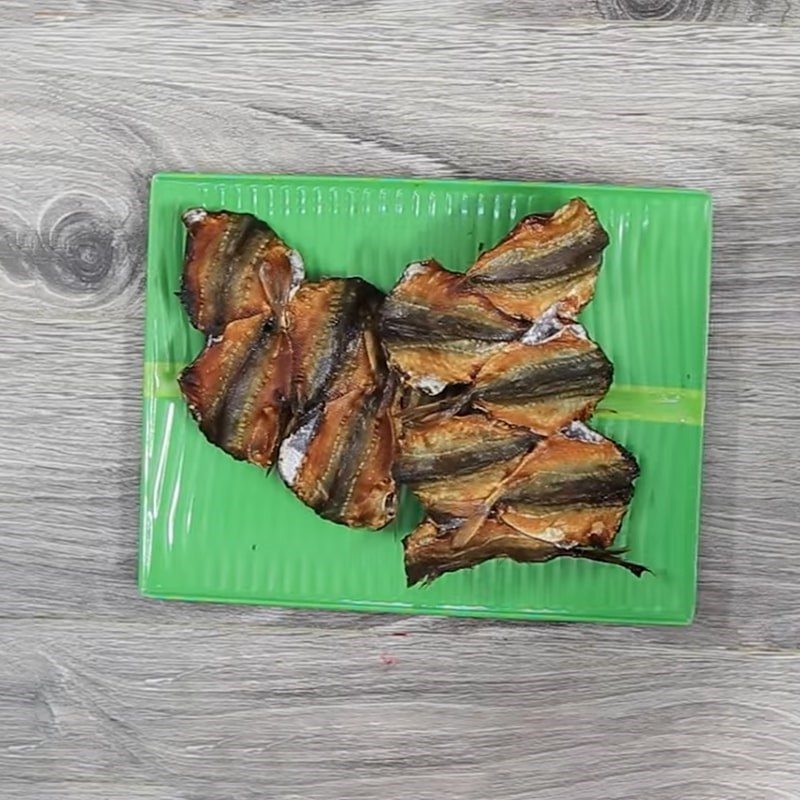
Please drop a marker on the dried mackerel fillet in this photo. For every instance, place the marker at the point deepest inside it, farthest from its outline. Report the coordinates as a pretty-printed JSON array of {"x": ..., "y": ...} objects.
[
  {"x": 439, "y": 328},
  {"x": 338, "y": 460},
  {"x": 546, "y": 260},
  {"x": 237, "y": 388},
  {"x": 499, "y": 456},
  {"x": 338, "y": 456},
  {"x": 431, "y": 551},
  {"x": 567, "y": 497},
  {"x": 454, "y": 465},
  {"x": 332, "y": 325},
  {"x": 436, "y": 332},
  {"x": 544, "y": 385},
  {"x": 285, "y": 358},
  {"x": 573, "y": 489},
  {"x": 235, "y": 266}
]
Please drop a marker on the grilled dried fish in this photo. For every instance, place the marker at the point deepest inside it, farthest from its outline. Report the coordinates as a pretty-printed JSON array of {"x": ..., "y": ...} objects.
[
  {"x": 547, "y": 259},
  {"x": 567, "y": 497},
  {"x": 339, "y": 453},
  {"x": 544, "y": 385},
  {"x": 440, "y": 327},
  {"x": 437, "y": 332},
  {"x": 294, "y": 372},
  {"x": 235, "y": 266},
  {"x": 573, "y": 489},
  {"x": 339, "y": 459},
  {"x": 430, "y": 550},
  {"x": 499, "y": 457},
  {"x": 238, "y": 388},
  {"x": 317, "y": 377},
  {"x": 332, "y": 325},
  {"x": 285, "y": 358},
  {"x": 455, "y": 464}
]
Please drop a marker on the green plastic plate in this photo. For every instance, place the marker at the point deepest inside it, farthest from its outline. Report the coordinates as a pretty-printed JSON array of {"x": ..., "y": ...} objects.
[{"x": 216, "y": 529}]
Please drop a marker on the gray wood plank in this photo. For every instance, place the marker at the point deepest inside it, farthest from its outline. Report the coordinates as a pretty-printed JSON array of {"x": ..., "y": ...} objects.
[
  {"x": 718, "y": 12},
  {"x": 103, "y": 694},
  {"x": 709, "y": 11},
  {"x": 198, "y": 713}
]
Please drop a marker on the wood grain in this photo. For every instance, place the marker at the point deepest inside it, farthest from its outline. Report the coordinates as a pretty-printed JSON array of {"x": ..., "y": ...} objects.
[
  {"x": 285, "y": 714},
  {"x": 718, "y": 12},
  {"x": 105, "y": 695},
  {"x": 714, "y": 11}
]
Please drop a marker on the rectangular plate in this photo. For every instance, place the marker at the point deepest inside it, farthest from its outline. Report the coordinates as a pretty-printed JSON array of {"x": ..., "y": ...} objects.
[{"x": 216, "y": 529}]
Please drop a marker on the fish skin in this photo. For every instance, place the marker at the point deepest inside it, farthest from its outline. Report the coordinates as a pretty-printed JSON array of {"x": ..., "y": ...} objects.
[
  {"x": 454, "y": 465},
  {"x": 237, "y": 389},
  {"x": 580, "y": 488},
  {"x": 561, "y": 468},
  {"x": 432, "y": 550},
  {"x": 433, "y": 368},
  {"x": 444, "y": 448},
  {"x": 430, "y": 303},
  {"x": 342, "y": 389},
  {"x": 566, "y": 497},
  {"x": 235, "y": 266},
  {"x": 332, "y": 324},
  {"x": 545, "y": 385},
  {"x": 435, "y": 330},
  {"x": 343, "y": 470},
  {"x": 284, "y": 356},
  {"x": 546, "y": 259}
]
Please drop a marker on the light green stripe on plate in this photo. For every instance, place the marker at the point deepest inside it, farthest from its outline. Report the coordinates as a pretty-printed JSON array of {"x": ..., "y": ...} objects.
[
  {"x": 646, "y": 403},
  {"x": 653, "y": 404}
]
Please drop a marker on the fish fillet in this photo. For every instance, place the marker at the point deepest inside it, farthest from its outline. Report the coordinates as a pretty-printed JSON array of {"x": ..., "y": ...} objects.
[
  {"x": 437, "y": 332},
  {"x": 454, "y": 465},
  {"x": 544, "y": 385},
  {"x": 339, "y": 458},
  {"x": 566, "y": 497},
  {"x": 546, "y": 260},
  {"x": 235, "y": 266},
  {"x": 293, "y": 362},
  {"x": 238, "y": 387}
]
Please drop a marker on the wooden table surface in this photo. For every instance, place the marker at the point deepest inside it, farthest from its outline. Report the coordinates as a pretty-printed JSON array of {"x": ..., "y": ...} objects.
[{"x": 107, "y": 695}]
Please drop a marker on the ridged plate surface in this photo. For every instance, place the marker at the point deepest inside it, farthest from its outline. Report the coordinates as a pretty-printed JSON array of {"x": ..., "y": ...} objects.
[{"x": 216, "y": 529}]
